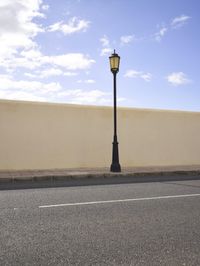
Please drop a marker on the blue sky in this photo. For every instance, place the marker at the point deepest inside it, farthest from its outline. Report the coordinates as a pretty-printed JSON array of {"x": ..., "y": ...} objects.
[{"x": 57, "y": 51}]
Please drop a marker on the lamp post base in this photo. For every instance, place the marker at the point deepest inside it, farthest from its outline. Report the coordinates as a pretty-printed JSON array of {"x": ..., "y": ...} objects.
[{"x": 115, "y": 166}]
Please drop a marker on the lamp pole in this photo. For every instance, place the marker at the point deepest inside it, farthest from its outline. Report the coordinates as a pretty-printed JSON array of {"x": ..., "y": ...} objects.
[{"x": 114, "y": 65}]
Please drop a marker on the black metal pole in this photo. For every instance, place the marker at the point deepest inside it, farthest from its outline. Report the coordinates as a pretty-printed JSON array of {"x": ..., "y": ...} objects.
[{"x": 115, "y": 166}]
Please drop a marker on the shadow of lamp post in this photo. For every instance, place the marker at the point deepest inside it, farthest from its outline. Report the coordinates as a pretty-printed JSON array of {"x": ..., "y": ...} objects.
[{"x": 114, "y": 67}]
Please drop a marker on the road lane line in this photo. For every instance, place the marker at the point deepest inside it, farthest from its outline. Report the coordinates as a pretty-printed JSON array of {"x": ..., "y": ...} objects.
[{"x": 116, "y": 201}]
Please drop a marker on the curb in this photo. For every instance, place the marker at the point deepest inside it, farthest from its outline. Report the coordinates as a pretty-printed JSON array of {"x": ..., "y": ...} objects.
[{"x": 134, "y": 177}]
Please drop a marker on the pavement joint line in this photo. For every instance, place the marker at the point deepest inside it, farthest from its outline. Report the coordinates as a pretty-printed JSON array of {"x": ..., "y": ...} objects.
[{"x": 116, "y": 201}]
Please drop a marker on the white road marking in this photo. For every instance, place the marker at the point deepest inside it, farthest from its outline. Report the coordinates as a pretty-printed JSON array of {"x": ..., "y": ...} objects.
[{"x": 116, "y": 201}]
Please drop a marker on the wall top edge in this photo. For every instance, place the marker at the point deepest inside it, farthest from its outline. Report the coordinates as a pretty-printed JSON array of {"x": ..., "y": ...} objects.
[{"x": 78, "y": 106}]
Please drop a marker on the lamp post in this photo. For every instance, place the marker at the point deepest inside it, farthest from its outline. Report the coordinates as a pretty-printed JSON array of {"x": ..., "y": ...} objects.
[{"x": 114, "y": 67}]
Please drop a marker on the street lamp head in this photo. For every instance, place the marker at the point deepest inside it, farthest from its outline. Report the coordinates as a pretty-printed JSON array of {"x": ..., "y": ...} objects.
[{"x": 114, "y": 62}]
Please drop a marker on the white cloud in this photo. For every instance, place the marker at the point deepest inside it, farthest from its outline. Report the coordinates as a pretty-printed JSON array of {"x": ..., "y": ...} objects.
[
  {"x": 121, "y": 99},
  {"x": 138, "y": 74},
  {"x": 178, "y": 78},
  {"x": 88, "y": 81},
  {"x": 5, "y": 76},
  {"x": 17, "y": 28},
  {"x": 8, "y": 83},
  {"x": 126, "y": 39},
  {"x": 31, "y": 53},
  {"x": 45, "y": 7},
  {"x": 106, "y": 51},
  {"x": 176, "y": 23},
  {"x": 54, "y": 92},
  {"x": 21, "y": 95},
  {"x": 106, "y": 48},
  {"x": 73, "y": 25},
  {"x": 179, "y": 21},
  {"x": 49, "y": 72},
  {"x": 18, "y": 48},
  {"x": 27, "y": 90},
  {"x": 105, "y": 41},
  {"x": 30, "y": 75},
  {"x": 31, "y": 59},
  {"x": 160, "y": 34},
  {"x": 71, "y": 61},
  {"x": 79, "y": 96}
]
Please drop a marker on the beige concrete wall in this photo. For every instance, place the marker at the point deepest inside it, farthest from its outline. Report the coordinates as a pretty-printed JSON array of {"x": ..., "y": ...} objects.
[{"x": 49, "y": 136}]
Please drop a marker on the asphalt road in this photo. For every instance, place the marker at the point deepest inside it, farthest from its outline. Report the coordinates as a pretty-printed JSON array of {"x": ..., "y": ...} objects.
[{"x": 117, "y": 224}]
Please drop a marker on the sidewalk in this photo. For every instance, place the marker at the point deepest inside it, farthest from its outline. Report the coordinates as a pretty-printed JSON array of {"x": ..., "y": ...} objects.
[{"x": 139, "y": 173}]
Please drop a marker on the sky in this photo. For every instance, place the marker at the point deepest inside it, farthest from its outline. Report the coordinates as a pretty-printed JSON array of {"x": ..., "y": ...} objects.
[{"x": 58, "y": 51}]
